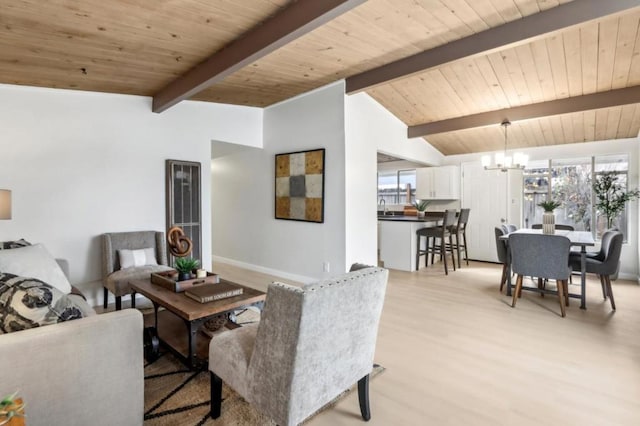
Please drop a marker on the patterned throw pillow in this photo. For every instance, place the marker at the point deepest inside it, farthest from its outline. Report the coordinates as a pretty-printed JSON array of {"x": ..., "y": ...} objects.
[
  {"x": 27, "y": 303},
  {"x": 6, "y": 245}
]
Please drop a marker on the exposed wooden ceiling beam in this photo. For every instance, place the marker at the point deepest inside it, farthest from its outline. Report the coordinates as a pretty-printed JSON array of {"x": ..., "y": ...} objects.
[
  {"x": 626, "y": 96},
  {"x": 511, "y": 34},
  {"x": 296, "y": 20}
]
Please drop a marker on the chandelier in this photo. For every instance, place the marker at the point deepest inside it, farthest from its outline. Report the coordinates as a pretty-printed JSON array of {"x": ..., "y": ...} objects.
[{"x": 502, "y": 161}]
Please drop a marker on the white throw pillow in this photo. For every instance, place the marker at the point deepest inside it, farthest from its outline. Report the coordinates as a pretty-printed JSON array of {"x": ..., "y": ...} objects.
[
  {"x": 34, "y": 262},
  {"x": 133, "y": 258}
]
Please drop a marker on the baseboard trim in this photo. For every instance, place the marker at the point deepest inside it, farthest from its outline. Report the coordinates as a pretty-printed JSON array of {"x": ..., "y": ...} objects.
[{"x": 264, "y": 270}]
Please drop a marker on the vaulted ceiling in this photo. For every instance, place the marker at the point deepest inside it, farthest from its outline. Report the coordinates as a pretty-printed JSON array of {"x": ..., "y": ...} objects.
[{"x": 456, "y": 101}]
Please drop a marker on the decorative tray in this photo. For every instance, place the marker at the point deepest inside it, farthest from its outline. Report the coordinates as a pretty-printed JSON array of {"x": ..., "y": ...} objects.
[{"x": 168, "y": 280}]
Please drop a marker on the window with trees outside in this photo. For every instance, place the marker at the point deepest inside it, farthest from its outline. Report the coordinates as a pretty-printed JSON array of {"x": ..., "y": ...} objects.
[
  {"x": 394, "y": 185},
  {"x": 570, "y": 182}
]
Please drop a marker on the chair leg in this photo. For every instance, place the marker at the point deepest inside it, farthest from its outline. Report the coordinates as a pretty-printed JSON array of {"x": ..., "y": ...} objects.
[
  {"x": 464, "y": 239},
  {"x": 453, "y": 257},
  {"x": 565, "y": 284},
  {"x": 106, "y": 298},
  {"x": 363, "y": 398},
  {"x": 216, "y": 395},
  {"x": 133, "y": 300},
  {"x": 433, "y": 249},
  {"x": 443, "y": 255},
  {"x": 610, "y": 291},
  {"x": 118, "y": 303},
  {"x": 561, "y": 297},
  {"x": 418, "y": 253},
  {"x": 516, "y": 291},
  {"x": 503, "y": 279},
  {"x": 458, "y": 249},
  {"x": 604, "y": 289}
]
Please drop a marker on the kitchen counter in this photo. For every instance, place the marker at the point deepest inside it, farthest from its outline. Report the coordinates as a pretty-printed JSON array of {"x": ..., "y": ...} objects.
[{"x": 398, "y": 242}]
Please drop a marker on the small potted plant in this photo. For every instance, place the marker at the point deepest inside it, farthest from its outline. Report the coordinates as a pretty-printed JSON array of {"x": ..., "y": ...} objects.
[
  {"x": 185, "y": 266},
  {"x": 11, "y": 408},
  {"x": 548, "y": 218},
  {"x": 421, "y": 206}
]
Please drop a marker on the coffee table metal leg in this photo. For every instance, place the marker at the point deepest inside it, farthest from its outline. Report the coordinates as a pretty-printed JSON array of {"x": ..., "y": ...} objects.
[{"x": 193, "y": 327}]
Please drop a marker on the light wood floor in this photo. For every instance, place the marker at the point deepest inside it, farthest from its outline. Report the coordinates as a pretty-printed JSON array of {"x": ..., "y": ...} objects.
[{"x": 456, "y": 353}]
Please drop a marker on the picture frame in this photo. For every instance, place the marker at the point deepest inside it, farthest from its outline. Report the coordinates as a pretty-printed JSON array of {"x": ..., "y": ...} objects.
[{"x": 299, "y": 185}]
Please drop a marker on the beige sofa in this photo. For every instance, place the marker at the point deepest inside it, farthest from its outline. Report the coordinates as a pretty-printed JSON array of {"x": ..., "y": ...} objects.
[
  {"x": 83, "y": 372},
  {"x": 88, "y": 371}
]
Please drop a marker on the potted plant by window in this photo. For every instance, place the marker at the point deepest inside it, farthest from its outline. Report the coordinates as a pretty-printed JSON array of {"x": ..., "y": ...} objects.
[
  {"x": 611, "y": 196},
  {"x": 185, "y": 266},
  {"x": 421, "y": 206},
  {"x": 548, "y": 217}
]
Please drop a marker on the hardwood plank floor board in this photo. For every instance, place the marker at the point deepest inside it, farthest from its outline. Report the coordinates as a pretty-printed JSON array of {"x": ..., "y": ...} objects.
[{"x": 456, "y": 353}]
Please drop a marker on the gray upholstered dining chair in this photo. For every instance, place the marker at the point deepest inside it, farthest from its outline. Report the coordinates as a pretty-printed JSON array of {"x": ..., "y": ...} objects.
[
  {"x": 115, "y": 278},
  {"x": 604, "y": 263},
  {"x": 542, "y": 256},
  {"x": 501, "y": 248},
  {"x": 311, "y": 344}
]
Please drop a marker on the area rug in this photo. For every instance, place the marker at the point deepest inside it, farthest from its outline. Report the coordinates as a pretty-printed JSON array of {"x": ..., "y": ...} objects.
[{"x": 175, "y": 396}]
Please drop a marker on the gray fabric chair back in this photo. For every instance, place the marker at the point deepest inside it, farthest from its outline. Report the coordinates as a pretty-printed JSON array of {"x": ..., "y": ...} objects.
[
  {"x": 501, "y": 245},
  {"x": 604, "y": 243},
  {"x": 314, "y": 342},
  {"x": 112, "y": 242},
  {"x": 612, "y": 249},
  {"x": 539, "y": 255}
]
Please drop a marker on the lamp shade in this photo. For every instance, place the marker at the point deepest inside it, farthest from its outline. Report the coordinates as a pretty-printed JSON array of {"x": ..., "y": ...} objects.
[{"x": 5, "y": 204}]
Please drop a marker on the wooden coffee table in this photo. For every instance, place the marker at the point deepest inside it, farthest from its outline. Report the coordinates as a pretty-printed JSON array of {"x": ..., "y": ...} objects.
[{"x": 168, "y": 330}]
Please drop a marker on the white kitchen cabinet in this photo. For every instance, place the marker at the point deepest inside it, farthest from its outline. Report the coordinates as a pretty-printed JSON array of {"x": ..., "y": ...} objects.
[{"x": 438, "y": 183}]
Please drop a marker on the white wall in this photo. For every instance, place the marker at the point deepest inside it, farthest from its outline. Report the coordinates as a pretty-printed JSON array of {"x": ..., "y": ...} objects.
[
  {"x": 629, "y": 259},
  {"x": 84, "y": 163},
  {"x": 245, "y": 231}
]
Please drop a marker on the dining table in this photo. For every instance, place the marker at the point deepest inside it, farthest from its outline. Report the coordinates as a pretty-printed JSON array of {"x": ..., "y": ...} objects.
[{"x": 582, "y": 239}]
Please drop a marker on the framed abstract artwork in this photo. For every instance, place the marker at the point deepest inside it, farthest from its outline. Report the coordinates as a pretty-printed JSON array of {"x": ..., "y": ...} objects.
[{"x": 300, "y": 186}]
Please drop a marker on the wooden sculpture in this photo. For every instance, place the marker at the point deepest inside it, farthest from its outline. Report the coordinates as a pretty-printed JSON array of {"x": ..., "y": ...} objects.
[{"x": 179, "y": 244}]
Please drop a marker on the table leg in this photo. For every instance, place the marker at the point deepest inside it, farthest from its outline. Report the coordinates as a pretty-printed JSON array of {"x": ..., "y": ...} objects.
[
  {"x": 583, "y": 277},
  {"x": 192, "y": 328}
]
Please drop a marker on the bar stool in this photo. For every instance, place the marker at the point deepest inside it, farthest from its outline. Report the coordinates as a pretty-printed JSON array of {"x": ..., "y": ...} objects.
[
  {"x": 437, "y": 232},
  {"x": 460, "y": 230}
]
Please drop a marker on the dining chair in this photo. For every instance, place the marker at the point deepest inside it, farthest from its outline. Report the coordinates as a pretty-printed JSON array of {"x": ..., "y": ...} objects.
[
  {"x": 433, "y": 234},
  {"x": 607, "y": 266},
  {"x": 542, "y": 256},
  {"x": 460, "y": 230},
  {"x": 558, "y": 226},
  {"x": 501, "y": 248}
]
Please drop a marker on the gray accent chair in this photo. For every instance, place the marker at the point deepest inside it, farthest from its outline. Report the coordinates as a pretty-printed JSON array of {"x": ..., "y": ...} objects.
[
  {"x": 117, "y": 280},
  {"x": 311, "y": 344},
  {"x": 604, "y": 263},
  {"x": 542, "y": 256},
  {"x": 501, "y": 248}
]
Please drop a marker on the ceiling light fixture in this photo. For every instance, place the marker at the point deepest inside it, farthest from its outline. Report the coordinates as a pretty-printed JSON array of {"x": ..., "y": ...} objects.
[{"x": 504, "y": 162}]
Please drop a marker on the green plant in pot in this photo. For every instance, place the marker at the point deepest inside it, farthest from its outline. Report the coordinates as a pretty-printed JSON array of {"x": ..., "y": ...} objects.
[
  {"x": 421, "y": 206},
  {"x": 548, "y": 218},
  {"x": 611, "y": 196},
  {"x": 185, "y": 266}
]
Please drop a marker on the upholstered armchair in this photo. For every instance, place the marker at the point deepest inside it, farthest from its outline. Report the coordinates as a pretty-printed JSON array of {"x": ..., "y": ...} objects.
[
  {"x": 116, "y": 278},
  {"x": 311, "y": 344}
]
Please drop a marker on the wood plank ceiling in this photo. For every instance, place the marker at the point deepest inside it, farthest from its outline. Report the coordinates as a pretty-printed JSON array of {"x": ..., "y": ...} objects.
[{"x": 138, "y": 47}]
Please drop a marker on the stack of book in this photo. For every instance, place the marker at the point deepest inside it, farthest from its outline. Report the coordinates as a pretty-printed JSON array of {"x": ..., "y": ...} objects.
[{"x": 211, "y": 292}]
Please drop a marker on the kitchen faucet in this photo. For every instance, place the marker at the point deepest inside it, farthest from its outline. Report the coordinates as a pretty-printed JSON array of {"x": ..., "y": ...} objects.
[{"x": 383, "y": 203}]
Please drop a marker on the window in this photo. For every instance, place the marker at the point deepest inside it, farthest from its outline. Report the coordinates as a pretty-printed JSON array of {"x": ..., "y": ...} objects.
[
  {"x": 569, "y": 181},
  {"x": 394, "y": 185},
  {"x": 183, "y": 201}
]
